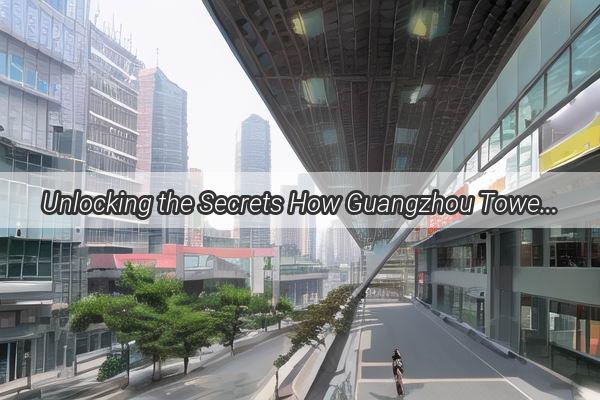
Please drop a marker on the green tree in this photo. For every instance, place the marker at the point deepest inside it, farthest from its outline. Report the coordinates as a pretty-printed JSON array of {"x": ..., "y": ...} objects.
[
  {"x": 136, "y": 315},
  {"x": 230, "y": 306},
  {"x": 260, "y": 308},
  {"x": 189, "y": 329},
  {"x": 283, "y": 309}
]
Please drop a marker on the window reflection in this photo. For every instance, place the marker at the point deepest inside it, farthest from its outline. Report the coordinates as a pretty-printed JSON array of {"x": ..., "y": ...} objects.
[
  {"x": 568, "y": 247},
  {"x": 567, "y": 325},
  {"x": 509, "y": 128},
  {"x": 308, "y": 24},
  {"x": 557, "y": 80},
  {"x": 532, "y": 248},
  {"x": 494, "y": 144},
  {"x": 531, "y": 105},
  {"x": 576, "y": 115},
  {"x": 586, "y": 53},
  {"x": 485, "y": 152},
  {"x": 318, "y": 91},
  {"x": 16, "y": 68}
]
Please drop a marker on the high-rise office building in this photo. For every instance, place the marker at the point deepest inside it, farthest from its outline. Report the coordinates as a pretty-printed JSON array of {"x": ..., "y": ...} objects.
[
  {"x": 253, "y": 155},
  {"x": 337, "y": 245},
  {"x": 162, "y": 146},
  {"x": 43, "y": 97},
  {"x": 297, "y": 234},
  {"x": 112, "y": 140}
]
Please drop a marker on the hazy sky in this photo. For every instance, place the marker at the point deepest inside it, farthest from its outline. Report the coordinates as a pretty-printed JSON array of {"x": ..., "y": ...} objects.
[{"x": 193, "y": 54}]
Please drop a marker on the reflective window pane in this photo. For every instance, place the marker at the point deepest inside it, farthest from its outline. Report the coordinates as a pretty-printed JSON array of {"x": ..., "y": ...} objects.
[
  {"x": 16, "y": 68},
  {"x": 557, "y": 80},
  {"x": 494, "y": 143},
  {"x": 586, "y": 53},
  {"x": 509, "y": 131},
  {"x": 484, "y": 152},
  {"x": 568, "y": 247},
  {"x": 531, "y": 105}
]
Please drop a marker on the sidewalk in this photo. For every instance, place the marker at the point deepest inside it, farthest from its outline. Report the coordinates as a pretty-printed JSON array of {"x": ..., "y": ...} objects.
[{"x": 83, "y": 386}]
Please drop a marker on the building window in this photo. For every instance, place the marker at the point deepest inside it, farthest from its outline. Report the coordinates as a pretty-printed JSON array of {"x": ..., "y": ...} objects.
[
  {"x": 557, "y": 80},
  {"x": 567, "y": 325},
  {"x": 16, "y": 68},
  {"x": 531, "y": 105},
  {"x": 595, "y": 232},
  {"x": 3, "y": 60},
  {"x": 509, "y": 128},
  {"x": 494, "y": 144},
  {"x": 8, "y": 319},
  {"x": 534, "y": 328},
  {"x": 586, "y": 53},
  {"x": 568, "y": 247},
  {"x": 532, "y": 248}
]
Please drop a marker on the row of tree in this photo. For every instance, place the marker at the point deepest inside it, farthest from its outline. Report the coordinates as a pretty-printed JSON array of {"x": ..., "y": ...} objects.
[
  {"x": 165, "y": 322},
  {"x": 335, "y": 312}
]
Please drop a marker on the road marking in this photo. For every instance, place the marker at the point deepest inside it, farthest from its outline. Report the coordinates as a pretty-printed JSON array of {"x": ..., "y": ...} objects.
[
  {"x": 474, "y": 354},
  {"x": 376, "y": 364},
  {"x": 365, "y": 340},
  {"x": 433, "y": 380}
]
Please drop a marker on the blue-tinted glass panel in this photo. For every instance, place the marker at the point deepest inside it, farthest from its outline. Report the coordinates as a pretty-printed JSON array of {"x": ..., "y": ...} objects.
[
  {"x": 509, "y": 128},
  {"x": 30, "y": 78},
  {"x": 531, "y": 105},
  {"x": 580, "y": 10},
  {"x": 555, "y": 27},
  {"x": 484, "y": 152},
  {"x": 494, "y": 143},
  {"x": 530, "y": 55},
  {"x": 557, "y": 80},
  {"x": 586, "y": 53},
  {"x": 507, "y": 85},
  {"x": 16, "y": 68},
  {"x": 3, "y": 61}
]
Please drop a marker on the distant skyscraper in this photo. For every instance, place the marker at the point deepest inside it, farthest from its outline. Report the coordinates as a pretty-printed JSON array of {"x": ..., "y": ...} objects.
[
  {"x": 298, "y": 235},
  {"x": 162, "y": 123},
  {"x": 162, "y": 146},
  {"x": 337, "y": 246},
  {"x": 308, "y": 246},
  {"x": 253, "y": 154}
]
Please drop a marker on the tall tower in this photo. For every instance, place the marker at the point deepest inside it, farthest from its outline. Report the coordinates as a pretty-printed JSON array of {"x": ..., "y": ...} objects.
[
  {"x": 162, "y": 146},
  {"x": 253, "y": 176}
]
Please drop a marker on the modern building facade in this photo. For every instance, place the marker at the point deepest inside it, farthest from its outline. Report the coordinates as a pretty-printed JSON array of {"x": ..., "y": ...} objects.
[
  {"x": 43, "y": 115},
  {"x": 111, "y": 143},
  {"x": 532, "y": 290},
  {"x": 162, "y": 147},
  {"x": 253, "y": 157},
  {"x": 200, "y": 269},
  {"x": 301, "y": 280}
]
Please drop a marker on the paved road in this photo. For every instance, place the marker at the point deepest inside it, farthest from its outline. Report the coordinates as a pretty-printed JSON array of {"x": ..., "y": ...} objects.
[
  {"x": 441, "y": 362},
  {"x": 229, "y": 379}
]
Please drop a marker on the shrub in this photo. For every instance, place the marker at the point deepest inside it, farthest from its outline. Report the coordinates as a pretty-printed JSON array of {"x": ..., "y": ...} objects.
[{"x": 113, "y": 366}]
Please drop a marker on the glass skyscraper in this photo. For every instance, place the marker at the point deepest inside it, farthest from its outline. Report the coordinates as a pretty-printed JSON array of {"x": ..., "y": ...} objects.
[{"x": 253, "y": 155}]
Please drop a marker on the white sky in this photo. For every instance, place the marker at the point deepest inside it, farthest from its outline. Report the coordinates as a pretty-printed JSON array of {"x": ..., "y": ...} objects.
[{"x": 194, "y": 55}]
